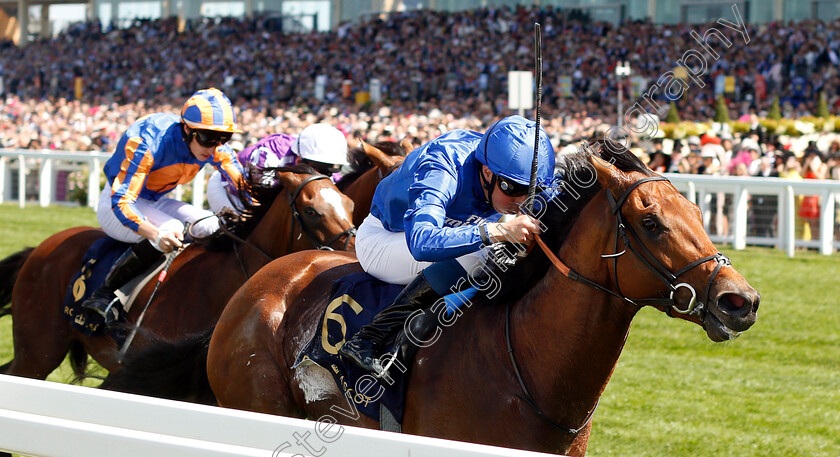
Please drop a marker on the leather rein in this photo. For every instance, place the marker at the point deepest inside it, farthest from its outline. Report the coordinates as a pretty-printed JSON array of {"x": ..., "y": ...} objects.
[{"x": 647, "y": 257}]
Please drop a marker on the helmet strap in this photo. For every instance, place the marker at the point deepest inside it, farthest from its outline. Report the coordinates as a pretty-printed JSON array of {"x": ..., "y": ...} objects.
[
  {"x": 488, "y": 186},
  {"x": 187, "y": 136}
]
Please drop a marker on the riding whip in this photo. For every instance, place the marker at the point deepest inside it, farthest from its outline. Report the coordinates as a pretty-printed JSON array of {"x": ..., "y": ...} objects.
[
  {"x": 532, "y": 188},
  {"x": 171, "y": 256}
]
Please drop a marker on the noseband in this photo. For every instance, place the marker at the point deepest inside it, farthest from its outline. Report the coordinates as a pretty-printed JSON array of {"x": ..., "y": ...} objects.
[
  {"x": 643, "y": 253},
  {"x": 321, "y": 245}
]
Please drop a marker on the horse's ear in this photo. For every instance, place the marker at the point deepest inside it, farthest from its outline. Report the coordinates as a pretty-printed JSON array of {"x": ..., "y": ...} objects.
[
  {"x": 289, "y": 180},
  {"x": 373, "y": 153},
  {"x": 406, "y": 145}
]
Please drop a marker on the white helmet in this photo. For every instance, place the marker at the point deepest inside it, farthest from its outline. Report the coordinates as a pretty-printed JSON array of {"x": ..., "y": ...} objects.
[{"x": 321, "y": 143}]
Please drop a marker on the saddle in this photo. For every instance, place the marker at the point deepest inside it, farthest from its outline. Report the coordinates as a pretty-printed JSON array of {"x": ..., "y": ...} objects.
[
  {"x": 96, "y": 263},
  {"x": 354, "y": 300}
]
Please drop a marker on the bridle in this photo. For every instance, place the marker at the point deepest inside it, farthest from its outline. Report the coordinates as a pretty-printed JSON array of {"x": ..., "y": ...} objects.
[
  {"x": 653, "y": 264},
  {"x": 296, "y": 218},
  {"x": 637, "y": 247},
  {"x": 350, "y": 233}
]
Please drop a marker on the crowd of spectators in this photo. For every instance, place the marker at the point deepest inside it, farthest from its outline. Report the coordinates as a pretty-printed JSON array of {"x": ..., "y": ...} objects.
[{"x": 438, "y": 71}]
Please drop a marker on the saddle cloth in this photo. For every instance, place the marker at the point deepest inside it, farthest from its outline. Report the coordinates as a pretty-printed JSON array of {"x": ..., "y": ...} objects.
[
  {"x": 96, "y": 264},
  {"x": 354, "y": 301}
]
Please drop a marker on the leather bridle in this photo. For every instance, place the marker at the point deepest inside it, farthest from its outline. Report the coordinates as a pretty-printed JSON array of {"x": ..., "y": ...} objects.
[
  {"x": 296, "y": 218},
  {"x": 637, "y": 247}
]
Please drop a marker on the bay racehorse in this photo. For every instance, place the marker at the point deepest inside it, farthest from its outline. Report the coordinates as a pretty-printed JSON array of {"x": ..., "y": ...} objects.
[
  {"x": 374, "y": 163},
  {"x": 303, "y": 211},
  {"x": 525, "y": 365}
]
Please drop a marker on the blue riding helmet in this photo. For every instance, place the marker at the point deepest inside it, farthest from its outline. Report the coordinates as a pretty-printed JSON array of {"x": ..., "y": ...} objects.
[{"x": 507, "y": 148}]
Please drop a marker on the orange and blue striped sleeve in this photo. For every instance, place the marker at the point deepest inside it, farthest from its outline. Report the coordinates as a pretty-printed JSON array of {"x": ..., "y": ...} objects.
[
  {"x": 224, "y": 160},
  {"x": 126, "y": 188}
]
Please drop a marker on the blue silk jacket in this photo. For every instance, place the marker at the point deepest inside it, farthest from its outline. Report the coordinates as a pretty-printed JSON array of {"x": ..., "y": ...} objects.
[{"x": 152, "y": 159}]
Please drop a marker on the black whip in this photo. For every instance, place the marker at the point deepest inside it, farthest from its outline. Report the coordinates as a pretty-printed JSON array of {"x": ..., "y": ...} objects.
[{"x": 532, "y": 187}]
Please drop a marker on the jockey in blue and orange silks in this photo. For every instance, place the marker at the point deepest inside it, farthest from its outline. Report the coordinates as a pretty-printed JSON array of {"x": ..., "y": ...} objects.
[
  {"x": 321, "y": 146},
  {"x": 156, "y": 154},
  {"x": 431, "y": 218}
]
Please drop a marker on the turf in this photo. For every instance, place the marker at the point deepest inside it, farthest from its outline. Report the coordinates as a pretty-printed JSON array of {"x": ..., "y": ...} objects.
[{"x": 775, "y": 391}]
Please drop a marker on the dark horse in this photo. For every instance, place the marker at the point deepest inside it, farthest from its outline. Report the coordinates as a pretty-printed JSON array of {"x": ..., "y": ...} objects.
[
  {"x": 525, "y": 368},
  {"x": 303, "y": 211}
]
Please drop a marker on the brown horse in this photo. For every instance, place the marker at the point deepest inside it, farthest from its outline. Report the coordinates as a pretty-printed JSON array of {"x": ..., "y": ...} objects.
[
  {"x": 385, "y": 157},
  {"x": 303, "y": 211},
  {"x": 526, "y": 368}
]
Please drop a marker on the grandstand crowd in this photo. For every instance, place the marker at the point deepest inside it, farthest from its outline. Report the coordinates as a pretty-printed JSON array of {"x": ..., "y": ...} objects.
[{"x": 438, "y": 71}]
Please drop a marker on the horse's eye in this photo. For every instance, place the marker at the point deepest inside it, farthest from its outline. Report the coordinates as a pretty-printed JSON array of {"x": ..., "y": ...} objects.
[
  {"x": 650, "y": 224},
  {"x": 310, "y": 212}
]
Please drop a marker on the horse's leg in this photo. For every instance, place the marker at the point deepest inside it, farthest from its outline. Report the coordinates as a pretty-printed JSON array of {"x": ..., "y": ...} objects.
[{"x": 41, "y": 335}]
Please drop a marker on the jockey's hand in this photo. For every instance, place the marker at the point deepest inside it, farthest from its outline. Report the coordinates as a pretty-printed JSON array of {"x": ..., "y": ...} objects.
[
  {"x": 520, "y": 229},
  {"x": 169, "y": 241}
]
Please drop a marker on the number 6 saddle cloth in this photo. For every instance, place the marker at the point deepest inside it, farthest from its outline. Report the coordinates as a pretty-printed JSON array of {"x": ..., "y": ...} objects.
[{"x": 354, "y": 301}]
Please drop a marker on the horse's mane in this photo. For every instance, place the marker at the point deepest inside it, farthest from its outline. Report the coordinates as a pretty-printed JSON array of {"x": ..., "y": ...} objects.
[
  {"x": 523, "y": 276},
  {"x": 262, "y": 194},
  {"x": 360, "y": 163}
]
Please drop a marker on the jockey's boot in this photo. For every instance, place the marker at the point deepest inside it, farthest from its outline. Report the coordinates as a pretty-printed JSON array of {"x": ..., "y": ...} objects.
[
  {"x": 365, "y": 347},
  {"x": 133, "y": 262}
]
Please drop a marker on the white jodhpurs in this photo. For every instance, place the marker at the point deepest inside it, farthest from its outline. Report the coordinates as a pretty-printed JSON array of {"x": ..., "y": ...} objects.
[
  {"x": 218, "y": 196},
  {"x": 167, "y": 214},
  {"x": 385, "y": 255}
]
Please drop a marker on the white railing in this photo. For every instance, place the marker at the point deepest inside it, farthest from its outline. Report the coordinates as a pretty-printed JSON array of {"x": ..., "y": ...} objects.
[
  {"x": 39, "y": 418},
  {"x": 47, "y": 163},
  {"x": 701, "y": 189}
]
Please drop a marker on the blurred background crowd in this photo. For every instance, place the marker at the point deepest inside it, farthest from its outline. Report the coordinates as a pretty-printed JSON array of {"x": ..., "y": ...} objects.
[{"x": 436, "y": 71}]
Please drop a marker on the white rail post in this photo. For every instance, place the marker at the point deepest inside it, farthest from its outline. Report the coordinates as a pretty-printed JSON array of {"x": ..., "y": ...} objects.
[
  {"x": 45, "y": 183},
  {"x": 198, "y": 188},
  {"x": 22, "y": 182},
  {"x": 94, "y": 170},
  {"x": 790, "y": 221},
  {"x": 741, "y": 205},
  {"x": 827, "y": 223},
  {"x": 691, "y": 194},
  {"x": 3, "y": 161},
  {"x": 704, "y": 201}
]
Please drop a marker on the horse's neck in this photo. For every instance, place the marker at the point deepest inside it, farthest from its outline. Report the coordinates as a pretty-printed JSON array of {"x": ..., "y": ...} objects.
[
  {"x": 272, "y": 233},
  {"x": 567, "y": 335}
]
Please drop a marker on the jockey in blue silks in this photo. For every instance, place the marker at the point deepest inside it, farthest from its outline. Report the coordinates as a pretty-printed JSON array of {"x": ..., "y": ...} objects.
[{"x": 431, "y": 218}]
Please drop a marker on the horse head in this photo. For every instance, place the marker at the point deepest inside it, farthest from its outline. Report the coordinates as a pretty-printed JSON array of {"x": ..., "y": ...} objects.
[
  {"x": 663, "y": 251},
  {"x": 371, "y": 164},
  {"x": 313, "y": 215}
]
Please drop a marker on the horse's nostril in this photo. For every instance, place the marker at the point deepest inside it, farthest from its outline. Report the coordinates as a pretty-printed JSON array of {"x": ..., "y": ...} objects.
[
  {"x": 736, "y": 300},
  {"x": 734, "y": 304}
]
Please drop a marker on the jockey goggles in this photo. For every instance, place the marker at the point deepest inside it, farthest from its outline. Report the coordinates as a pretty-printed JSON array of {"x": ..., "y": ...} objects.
[
  {"x": 322, "y": 167},
  {"x": 512, "y": 188},
  {"x": 211, "y": 138}
]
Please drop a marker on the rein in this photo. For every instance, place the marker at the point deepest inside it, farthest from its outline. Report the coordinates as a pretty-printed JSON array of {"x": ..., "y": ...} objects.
[
  {"x": 296, "y": 218},
  {"x": 622, "y": 228}
]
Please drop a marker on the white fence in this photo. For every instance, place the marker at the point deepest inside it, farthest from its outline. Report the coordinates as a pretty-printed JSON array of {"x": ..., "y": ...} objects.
[
  {"x": 48, "y": 163},
  {"x": 733, "y": 208},
  {"x": 736, "y": 210},
  {"x": 39, "y": 418}
]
